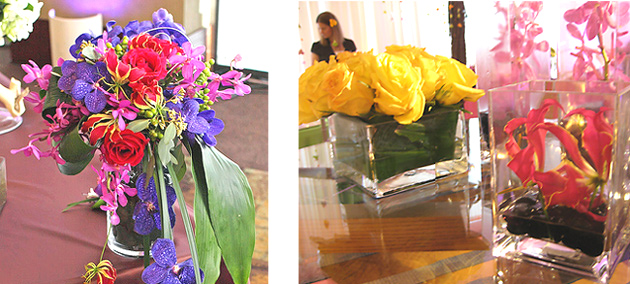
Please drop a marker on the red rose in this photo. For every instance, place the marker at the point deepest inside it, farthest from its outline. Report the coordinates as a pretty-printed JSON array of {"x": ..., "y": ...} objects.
[
  {"x": 153, "y": 63},
  {"x": 161, "y": 46},
  {"x": 124, "y": 147}
]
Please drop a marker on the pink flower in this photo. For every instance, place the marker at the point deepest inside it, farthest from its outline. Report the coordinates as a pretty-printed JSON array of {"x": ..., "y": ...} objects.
[
  {"x": 588, "y": 149},
  {"x": 34, "y": 73}
]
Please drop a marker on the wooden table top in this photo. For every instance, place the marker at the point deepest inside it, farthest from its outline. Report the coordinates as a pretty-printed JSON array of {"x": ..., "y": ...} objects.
[{"x": 439, "y": 233}]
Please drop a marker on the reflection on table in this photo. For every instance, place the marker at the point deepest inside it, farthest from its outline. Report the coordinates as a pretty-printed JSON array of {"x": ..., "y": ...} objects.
[{"x": 437, "y": 233}]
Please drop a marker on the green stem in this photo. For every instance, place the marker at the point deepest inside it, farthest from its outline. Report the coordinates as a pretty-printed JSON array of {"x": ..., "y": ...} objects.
[
  {"x": 187, "y": 224},
  {"x": 146, "y": 243},
  {"x": 109, "y": 230},
  {"x": 605, "y": 55},
  {"x": 167, "y": 231},
  {"x": 541, "y": 198}
]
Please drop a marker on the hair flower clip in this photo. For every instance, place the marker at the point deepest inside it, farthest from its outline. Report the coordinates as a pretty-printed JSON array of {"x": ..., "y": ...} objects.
[{"x": 333, "y": 22}]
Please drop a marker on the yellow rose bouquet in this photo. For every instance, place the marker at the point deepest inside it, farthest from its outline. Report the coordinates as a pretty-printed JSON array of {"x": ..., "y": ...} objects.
[{"x": 404, "y": 104}]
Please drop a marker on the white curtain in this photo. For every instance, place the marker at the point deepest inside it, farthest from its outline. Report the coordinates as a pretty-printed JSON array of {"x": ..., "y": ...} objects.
[{"x": 373, "y": 25}]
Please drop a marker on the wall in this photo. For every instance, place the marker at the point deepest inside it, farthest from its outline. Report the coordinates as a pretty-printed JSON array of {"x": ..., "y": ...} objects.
[{"x": 122, "y": 11}]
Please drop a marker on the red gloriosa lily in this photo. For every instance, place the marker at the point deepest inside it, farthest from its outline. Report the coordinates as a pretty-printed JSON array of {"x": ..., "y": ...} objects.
[{"x": 581, "y": 173}]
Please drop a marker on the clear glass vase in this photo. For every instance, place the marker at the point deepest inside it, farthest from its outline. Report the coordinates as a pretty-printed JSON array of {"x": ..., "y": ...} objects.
[
  {"x": 560, "y": 167},
  {"x": 386, "y": 157},
  {"x": 123, "y": 239}
]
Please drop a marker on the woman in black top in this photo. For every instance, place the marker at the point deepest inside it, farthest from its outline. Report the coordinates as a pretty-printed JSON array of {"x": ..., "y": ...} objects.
[{"x": 332, "y": 40}]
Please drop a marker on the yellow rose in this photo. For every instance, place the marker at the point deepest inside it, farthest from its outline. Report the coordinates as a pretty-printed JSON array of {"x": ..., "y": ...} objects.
[
  {"x": 336, "y": 79},
  {"x": 458, "y": 81},
  {"x": 311, "y": 96},
  {"x": 361, "y": 65},
  {"x": 357, "y": 100},
  {"x": 398, "y": 88},
  {"x": 427, "y": 64}
]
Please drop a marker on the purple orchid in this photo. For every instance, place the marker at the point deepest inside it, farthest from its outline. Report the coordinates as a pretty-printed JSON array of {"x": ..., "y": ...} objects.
[
  {"x": 33, "y": 72},
  {"x": 147, "y": 211},
  {"x": 79, "y": 44},
  {"x": 165, "y": 269},
  {"x": 202, "y": 123},
  {"x": 171, "y": 30},
  {"x": 82, "y": 81}
]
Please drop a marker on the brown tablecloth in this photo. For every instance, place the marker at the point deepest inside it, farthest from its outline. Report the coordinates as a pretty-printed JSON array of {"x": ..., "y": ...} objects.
[{"x": 39, "y": 243}]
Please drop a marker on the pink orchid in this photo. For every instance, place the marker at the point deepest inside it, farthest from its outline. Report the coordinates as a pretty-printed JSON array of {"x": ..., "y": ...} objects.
[
  {"x": 34, "y": 98},
  {"x": 518, "y": 35},
  {"x": 30, "y": 149},
  {"x": 233, "y": 78},
  {"x": 34, "y": 73},
  {"x": 589, "y": 153},
  {"x": 123, "y": 110},
  {"x": 191, "y": 62},
  {"x": 598, "y": 17}
]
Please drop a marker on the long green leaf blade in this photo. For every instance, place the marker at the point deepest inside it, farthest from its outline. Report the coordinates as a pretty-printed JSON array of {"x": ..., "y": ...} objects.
[
  {"x": 187, "y": 225},
  {"x": 232, "y": 213},
  {"x": 167, "y": 231},
  {"x": 207, "y": 246}
]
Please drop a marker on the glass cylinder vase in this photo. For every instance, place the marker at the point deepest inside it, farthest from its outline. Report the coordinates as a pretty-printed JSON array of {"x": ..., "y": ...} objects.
[
  {"x": 123, "y": 238},
  {"x": 386, "y": 157},
  {"x": 560, "y": 167}
]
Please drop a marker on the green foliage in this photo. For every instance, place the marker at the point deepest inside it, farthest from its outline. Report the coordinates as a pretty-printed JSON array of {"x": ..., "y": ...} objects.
[
  {"x": 54, "y": 95},
  {"x": 227, "y": 200},
  {"x": 167, "y": 144},
  {"x": 138, "y": 125}
]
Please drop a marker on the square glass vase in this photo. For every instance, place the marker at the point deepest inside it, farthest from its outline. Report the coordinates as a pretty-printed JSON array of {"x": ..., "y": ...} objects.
[
  {"x": 560, "y": 154},
  {"x": 386, "y": 157}
]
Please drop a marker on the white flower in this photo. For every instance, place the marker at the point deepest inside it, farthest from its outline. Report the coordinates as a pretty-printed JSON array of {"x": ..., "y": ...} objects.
[{"x": 18, "y": 17}]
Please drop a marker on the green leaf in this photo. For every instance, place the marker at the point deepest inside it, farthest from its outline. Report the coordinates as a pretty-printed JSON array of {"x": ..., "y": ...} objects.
[
  {"x": 70, "y": 168},
  {"x": 54, "y": 95},
  {"x": 73, "y": 149},
  {"x": 187, "y": 225},
  {"x": 231, "y": 208},
  {"x": 167, "y": 231},
  {"x": 166, "y": 144},
  {"x": 208, "y": 249},
  {"x": 180, "y": 166},
  {"x": 138, "y": 125},
  {"x": 79, "y": 202}
]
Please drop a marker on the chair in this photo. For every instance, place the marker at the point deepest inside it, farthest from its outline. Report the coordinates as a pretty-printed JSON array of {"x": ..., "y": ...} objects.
[{"x": 64, "y": 31}]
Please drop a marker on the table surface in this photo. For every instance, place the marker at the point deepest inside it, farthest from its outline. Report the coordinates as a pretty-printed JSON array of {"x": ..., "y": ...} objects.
[
  {"x": 438, "y": 233},
  {"x": 39, "y": 243}
]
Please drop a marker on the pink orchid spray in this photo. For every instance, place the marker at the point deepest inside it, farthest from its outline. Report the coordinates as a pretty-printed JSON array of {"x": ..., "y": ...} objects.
[
  {"x": 518, "y": 36},
  {"x": 598, "y": 17}
]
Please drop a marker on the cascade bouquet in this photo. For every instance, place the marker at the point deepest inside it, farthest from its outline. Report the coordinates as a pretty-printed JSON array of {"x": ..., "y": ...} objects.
[
  {"x": 139, "y": 95},
  {"x": 17, "y": 18},
  {"x": 394, "y": 112}
]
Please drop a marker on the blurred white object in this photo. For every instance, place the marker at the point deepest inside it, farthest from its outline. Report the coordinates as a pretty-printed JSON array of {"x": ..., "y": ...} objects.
[
  {"x": 12, "y": 99},
  {"x": 64, "y": 31}
]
